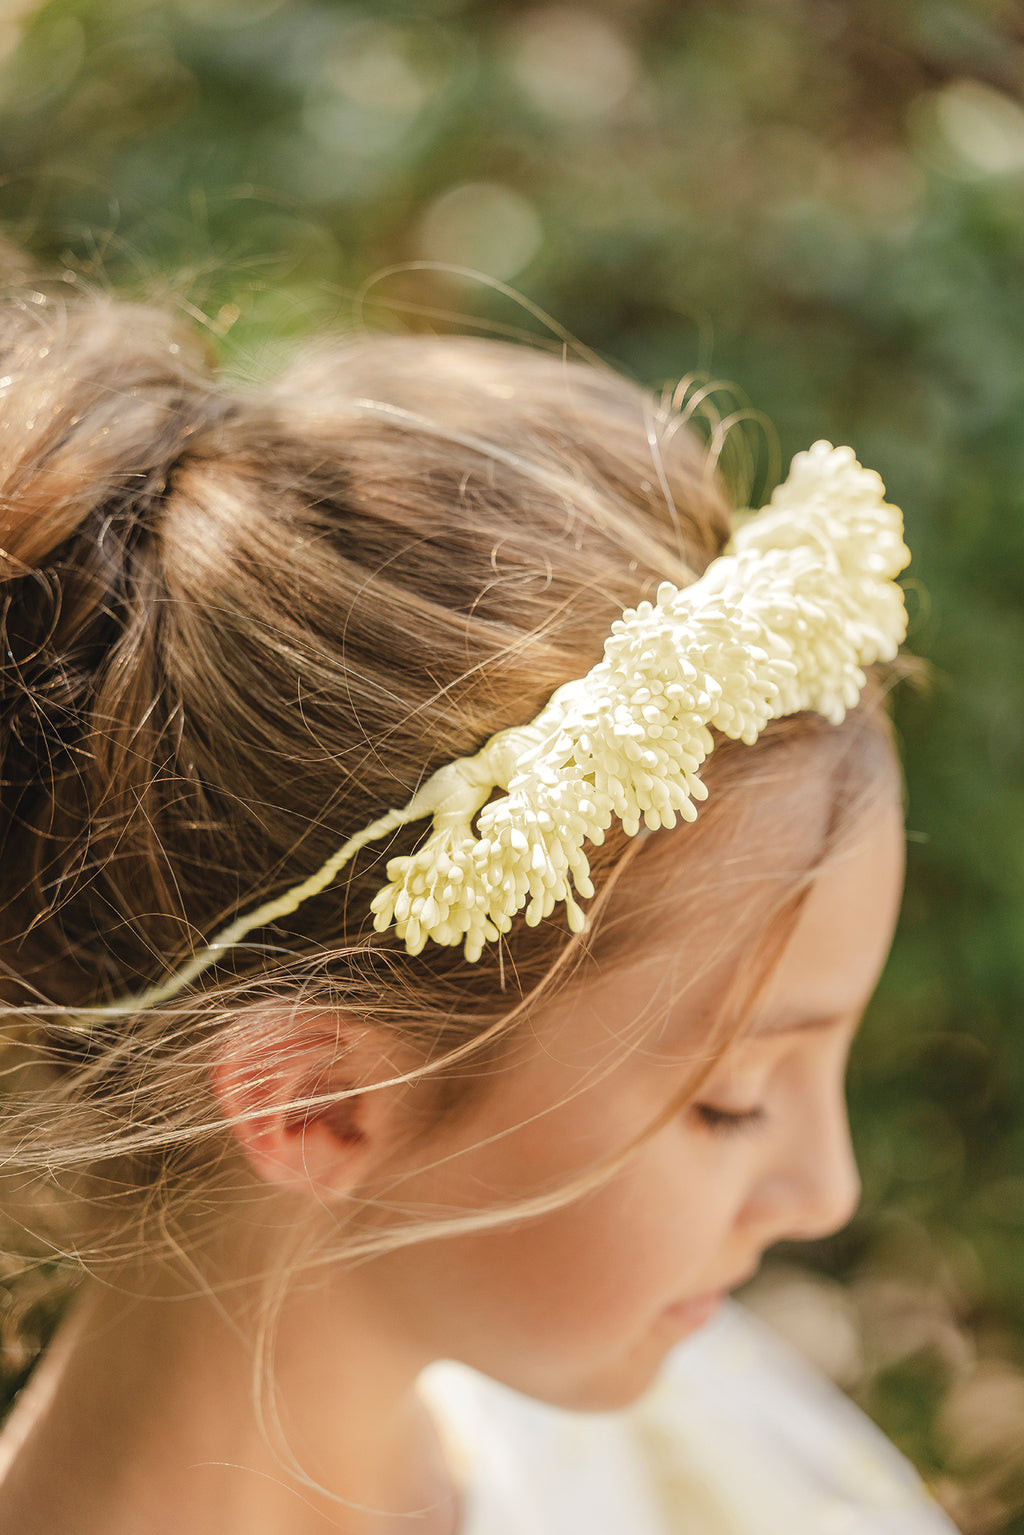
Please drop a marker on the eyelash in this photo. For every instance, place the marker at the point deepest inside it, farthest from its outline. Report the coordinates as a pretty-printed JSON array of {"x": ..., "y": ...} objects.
[{"x": 721, "y": 1122}]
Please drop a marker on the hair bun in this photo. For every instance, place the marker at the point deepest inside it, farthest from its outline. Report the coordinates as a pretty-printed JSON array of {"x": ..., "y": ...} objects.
[{"x": 98, "y": 401}]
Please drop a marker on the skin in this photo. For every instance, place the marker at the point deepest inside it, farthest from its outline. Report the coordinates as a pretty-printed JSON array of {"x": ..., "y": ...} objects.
[
  {"x": 579, "y": 1308},
  {"x": 146, "y": 1403}
]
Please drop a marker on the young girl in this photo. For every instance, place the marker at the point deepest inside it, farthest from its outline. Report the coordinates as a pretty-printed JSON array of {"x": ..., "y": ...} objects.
[{"x": 375, "y": 994}]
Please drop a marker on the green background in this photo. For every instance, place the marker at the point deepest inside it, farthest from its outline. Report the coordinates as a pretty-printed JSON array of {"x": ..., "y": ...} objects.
[{"x": 820, "y": 201}]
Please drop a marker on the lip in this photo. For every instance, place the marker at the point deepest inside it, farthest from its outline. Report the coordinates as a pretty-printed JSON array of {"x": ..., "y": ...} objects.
[{"x": 697, "y": 1310}]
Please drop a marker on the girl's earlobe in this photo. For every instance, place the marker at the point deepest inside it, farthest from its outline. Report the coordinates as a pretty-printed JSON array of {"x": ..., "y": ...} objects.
[{"x": 302, "y": 1095}]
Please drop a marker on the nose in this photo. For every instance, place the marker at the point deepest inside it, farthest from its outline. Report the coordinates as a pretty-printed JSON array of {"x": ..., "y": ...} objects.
[{"x": 809, "y": 1186}]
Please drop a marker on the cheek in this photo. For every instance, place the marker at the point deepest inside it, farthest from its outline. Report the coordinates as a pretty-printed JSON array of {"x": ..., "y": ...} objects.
[
  {"x": 600, "y": 1269},
  {"x": 595, "y": 1265},
  {"x": 577, "y": 1284}
]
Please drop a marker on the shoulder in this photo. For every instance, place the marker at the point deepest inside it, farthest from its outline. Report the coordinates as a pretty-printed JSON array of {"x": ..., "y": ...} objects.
[{"x": 739, "y": 1436}]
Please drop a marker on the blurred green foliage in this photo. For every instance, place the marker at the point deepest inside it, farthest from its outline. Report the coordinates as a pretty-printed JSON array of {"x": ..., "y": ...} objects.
[{"x": 820, "y": 200}]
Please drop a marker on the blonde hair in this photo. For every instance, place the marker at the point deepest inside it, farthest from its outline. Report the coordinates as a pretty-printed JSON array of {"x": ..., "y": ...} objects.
[{"x": 240, "y": 623}]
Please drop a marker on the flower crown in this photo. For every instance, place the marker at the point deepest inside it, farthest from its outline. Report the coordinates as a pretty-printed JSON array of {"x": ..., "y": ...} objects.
[{"x": 784, "y": 620}]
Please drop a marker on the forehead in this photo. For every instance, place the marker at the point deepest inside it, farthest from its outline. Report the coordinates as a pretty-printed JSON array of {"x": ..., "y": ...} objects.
[
  {"x": 774, "y": 812},
  {"x": 724, "y": 876},
  {"x": 761, "y": 922},
  {"x": 835, "y": 952},
  {"x": 679, "y": 993}
]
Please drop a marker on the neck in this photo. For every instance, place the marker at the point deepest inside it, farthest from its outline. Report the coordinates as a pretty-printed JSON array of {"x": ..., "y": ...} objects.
[{"x": 151, "y": 1407}]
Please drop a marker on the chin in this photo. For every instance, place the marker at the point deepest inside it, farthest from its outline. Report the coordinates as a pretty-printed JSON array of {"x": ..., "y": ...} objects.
[
  {"x": 621, "y": 1382},
  {"x": 608, "y": 1387}
]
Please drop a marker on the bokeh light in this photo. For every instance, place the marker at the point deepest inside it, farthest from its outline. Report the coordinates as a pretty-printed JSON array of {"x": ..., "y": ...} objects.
[{"x": 483, "y": 226}]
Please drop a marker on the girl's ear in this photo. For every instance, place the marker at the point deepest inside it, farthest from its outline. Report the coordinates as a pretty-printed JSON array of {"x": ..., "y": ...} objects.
[{"x": 302, "y": 1095}]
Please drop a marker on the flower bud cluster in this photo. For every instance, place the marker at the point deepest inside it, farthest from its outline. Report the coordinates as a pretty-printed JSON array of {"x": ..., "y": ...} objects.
[{"x": 785, "y": 620}]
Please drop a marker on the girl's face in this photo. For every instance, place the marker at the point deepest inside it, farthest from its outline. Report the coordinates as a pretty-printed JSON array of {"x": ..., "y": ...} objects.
[{"x": 578, "y": 1306}]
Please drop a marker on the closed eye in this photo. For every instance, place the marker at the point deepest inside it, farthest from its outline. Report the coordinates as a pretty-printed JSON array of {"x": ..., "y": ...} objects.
[{"x": 728, "y": 1122}]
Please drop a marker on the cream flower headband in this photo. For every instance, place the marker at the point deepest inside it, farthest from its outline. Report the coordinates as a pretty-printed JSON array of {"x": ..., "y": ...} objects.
[{"x": 784, "y": 620}]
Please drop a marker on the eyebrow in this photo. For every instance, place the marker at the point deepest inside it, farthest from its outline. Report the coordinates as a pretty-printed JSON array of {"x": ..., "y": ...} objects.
[{"x": 791, "y": 1023}]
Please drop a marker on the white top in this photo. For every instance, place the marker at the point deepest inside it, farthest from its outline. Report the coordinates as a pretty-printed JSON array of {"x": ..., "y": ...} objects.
[{"x": 739, "y": 1436}]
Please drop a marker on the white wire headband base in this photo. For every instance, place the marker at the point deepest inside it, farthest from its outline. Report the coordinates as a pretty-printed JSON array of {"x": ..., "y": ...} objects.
[{"x": 802, "y": 599}]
